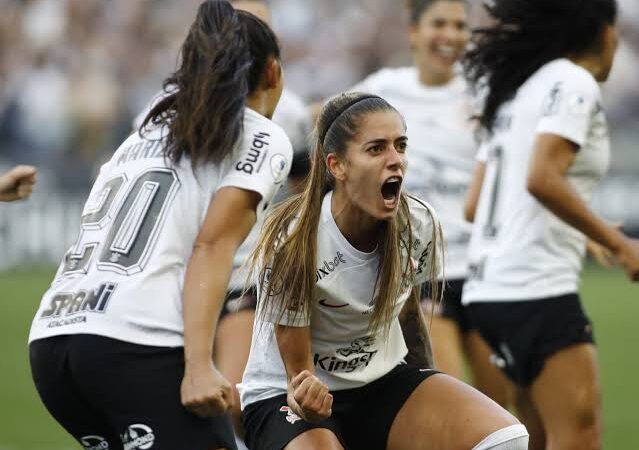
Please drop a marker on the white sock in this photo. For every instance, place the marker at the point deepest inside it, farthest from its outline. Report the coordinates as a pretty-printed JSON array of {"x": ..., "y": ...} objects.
[{"x": 514, "y": 437}]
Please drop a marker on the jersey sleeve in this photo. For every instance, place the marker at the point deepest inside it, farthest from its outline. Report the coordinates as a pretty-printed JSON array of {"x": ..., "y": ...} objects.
[
  {"x": 268, "y": 307},
  {"x": 262, "y": 163},
  {"x": 426, "y": 240},
  {"x": 482, "y": 152},
  {"x": 568, "y": 107}
]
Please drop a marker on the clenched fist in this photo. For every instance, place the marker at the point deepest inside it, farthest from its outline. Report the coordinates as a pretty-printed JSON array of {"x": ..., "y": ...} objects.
[
  {"x": 309, "y": 398},
  {"x": 17, "y": 184},
  {"x": 205, "y": 391}
]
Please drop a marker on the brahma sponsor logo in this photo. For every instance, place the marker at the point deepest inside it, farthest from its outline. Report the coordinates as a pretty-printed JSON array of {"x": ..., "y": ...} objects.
[
  {"x": 138, "y": 436},
  {"x": 360, "y": 348},
  {"x": 291, "y": 417},
  {"x": 254, "y": 159},
  {"x": 93, "y": 442},
  {"x": 329, "y": 266}
]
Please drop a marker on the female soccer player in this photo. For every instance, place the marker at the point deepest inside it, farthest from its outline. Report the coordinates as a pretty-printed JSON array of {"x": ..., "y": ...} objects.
[
  {"x": 547, "y": 147},
  {"x": 433, "y": 98},
  {"x": 340, "y": 355},
  {"x": 121, "y": 346}
]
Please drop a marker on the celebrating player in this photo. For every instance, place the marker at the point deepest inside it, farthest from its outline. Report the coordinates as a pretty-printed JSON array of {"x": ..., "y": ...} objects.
[
  {"x": 121, "y": 346},
  {"x": 547, "y": 146},
  {"x": 340, "y": 356},
  {"x": 434, "y": 99}
]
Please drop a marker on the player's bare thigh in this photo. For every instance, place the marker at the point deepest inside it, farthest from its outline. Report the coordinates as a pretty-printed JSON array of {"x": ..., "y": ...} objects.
[{"x": 445, "y": 413}]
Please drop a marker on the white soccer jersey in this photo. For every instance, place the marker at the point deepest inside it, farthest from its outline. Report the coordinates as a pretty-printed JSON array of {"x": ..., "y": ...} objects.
[
  {"x": 519, "y": 249},
  {"x": 345, "y": 353},
  {"x": 295, "y": 119},
  {"x": 123, "y": 277},
  {"x": 441, "y": 149}
]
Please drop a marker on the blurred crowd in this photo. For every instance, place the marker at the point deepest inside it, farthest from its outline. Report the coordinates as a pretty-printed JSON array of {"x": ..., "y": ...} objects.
[{"x": 74, "y": 73}]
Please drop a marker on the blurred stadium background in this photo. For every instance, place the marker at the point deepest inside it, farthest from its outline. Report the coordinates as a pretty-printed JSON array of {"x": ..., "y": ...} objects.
[{"x": 74, "y": 73}]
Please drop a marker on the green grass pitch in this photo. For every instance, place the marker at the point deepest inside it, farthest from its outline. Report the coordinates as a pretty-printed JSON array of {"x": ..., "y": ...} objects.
[{"x": 611, "y": 301}]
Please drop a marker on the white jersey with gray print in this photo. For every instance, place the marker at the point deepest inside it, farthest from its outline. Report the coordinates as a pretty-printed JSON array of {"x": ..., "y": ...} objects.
[
  {"x": 519, "y": 249},
  {"x": 123, "y": 277},
  {"x": 295, "y": 119},
  {"x": 346, "y": 354},
  {"x": 441, "y": 149}
]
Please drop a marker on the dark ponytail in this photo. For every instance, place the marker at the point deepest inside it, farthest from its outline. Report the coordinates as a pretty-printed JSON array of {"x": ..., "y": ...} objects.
[
  {"x": 526, "y": 35},
  {"x": 222, "y": 62}
]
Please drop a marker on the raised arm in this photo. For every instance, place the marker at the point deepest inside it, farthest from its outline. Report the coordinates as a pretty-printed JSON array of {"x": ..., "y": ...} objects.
[
  {"x": 229, "y": 219},
  {"x": 307, "y": 396},
  {"x": 413, "y": 324},
  {"x": 550, "y": 161}
]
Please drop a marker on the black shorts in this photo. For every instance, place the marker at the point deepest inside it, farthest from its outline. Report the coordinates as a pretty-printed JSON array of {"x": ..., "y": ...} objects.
[
  {"x": 239, "y": 300},
  {"x": 104, "y": 391},
  {"x": 361, "y": 419},
  {"x": 451, "y": 306},
  {"x": 524, "y": 334}
]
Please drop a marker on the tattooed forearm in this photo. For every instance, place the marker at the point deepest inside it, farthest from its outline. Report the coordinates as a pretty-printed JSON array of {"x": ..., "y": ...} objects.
[{"x": 415, "y": 333}]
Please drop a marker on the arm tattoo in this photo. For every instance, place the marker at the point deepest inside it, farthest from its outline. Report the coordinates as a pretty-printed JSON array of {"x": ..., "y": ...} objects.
[{"x": 415, "y": 332}]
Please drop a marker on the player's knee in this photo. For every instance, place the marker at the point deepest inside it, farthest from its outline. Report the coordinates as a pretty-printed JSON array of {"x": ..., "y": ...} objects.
[{"x": 513, "y": 437}]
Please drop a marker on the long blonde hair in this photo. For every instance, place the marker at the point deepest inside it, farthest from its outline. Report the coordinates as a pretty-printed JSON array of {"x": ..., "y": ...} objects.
[{"x": 286, "y": 252}]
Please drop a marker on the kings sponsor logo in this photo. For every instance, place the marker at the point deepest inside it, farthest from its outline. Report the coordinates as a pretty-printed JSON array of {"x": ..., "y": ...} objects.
[
  {"x": 69, "y": 305},
  {"x": 254, "y": 159},
  {"x": 348, "y": 359}
]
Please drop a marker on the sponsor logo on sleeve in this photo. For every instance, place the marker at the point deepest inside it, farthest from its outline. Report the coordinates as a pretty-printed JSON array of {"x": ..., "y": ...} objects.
[
  {"x": 138, "y": 436},
  {"x": 578, "y": 104},
  {"x": 278, "y": 167},
  {"x": 553, "y": 100},
  {"x": 255, "y": 157},
  {"x": 93, "y": 442},
  {"x": 348, "y": 359}
]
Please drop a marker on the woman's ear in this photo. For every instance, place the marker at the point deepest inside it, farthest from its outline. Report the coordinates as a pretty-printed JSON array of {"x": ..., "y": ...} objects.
[
  {"x": 336, "y": 167},
  {"x": 272, "y": 73}
]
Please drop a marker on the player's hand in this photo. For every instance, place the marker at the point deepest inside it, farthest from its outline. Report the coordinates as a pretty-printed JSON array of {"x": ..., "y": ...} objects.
[
  {"x": 628, "y": 257},
  {"x": 601, "y": 254},
  {"x": 309, "y": 398},
  {"x": 205, "y": 391},
  {"x": 17, "y": 184}
]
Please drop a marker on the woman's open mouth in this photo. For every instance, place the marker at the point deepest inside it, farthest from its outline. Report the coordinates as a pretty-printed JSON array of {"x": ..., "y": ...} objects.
[{"x": 390, "y": 191}]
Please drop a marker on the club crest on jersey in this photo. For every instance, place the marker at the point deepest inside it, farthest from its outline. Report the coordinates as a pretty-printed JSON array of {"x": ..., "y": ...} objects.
[
  {"x": 291, "y": 417},
  {"x": 254, "y": 159},
  {"x": 359, "y": 352}
]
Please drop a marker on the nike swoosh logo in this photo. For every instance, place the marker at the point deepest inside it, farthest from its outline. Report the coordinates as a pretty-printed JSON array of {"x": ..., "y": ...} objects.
[{"x": 323, "y": 302}]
